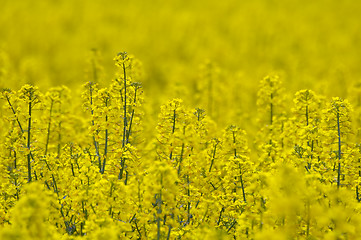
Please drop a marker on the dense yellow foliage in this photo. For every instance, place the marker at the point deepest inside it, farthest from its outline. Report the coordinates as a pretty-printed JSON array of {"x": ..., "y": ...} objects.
[{"x": 240, "y": 120}]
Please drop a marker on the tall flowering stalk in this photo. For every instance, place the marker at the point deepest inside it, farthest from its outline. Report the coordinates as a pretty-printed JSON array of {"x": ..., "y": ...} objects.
[
  {"x": 271, "y": 118},
  {"x": 306, "y": 129},
  {"x": 129, "y": 100},
  {"x": 236, "y": 149},
  {"x": 172, "y": 130},
  {"x": 161, "y": 185},
  {"x": 56, "y": 102},
  {"x": 239, "y": 170},
  {"x": 338, "y": 123},
  {"x": 91, "y": 88},
  {"x": 28, "y": 98},
  {"x": 115, "y": 117}
]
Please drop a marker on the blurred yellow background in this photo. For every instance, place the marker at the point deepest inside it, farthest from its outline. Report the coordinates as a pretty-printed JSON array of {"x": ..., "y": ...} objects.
[{"x": 311, "y": 44}]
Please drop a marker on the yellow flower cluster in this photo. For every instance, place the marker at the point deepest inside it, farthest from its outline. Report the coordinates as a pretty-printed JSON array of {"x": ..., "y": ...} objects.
[{"x": 93, "y": 171}]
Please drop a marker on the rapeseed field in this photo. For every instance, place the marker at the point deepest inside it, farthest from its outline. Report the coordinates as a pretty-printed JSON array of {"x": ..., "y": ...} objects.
[{"x": 180, "y": 119}]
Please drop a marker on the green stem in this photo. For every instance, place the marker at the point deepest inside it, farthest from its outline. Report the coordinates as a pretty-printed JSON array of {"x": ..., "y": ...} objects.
[
  {"x": 106, "y": 140},
  {"x": 339, "y": 149},
  {"x": 180, "y": 159},
  {"x": 173, "y": 129},
  {"x": 242, "y": 185},
  {"x": 92, "y": 113},
  {"x": 29, "y": 137},
  {"x": 169, "y": 230},
  {"x": 159, "y": 210},
  {"x": 220, "y": 216},
  {"x": 213, "y": 155},
  {"x": 13, "y": 110},
  {"x": 59, "y": 129},
  {"x": 132, "y": 116},
  {"x": 189, "y": 203},
  {"x": 48, "y": 130},
  {"x": 138, "y": 230},
  {"x": 232, "y": 225},
  {"x": 239, "y": 166},
  {"x": 55, "y": 185},
  {"x": 59, "y": 138},
  {"x": 125, "y": 123},
  {"x": 125, "y": 103}
]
